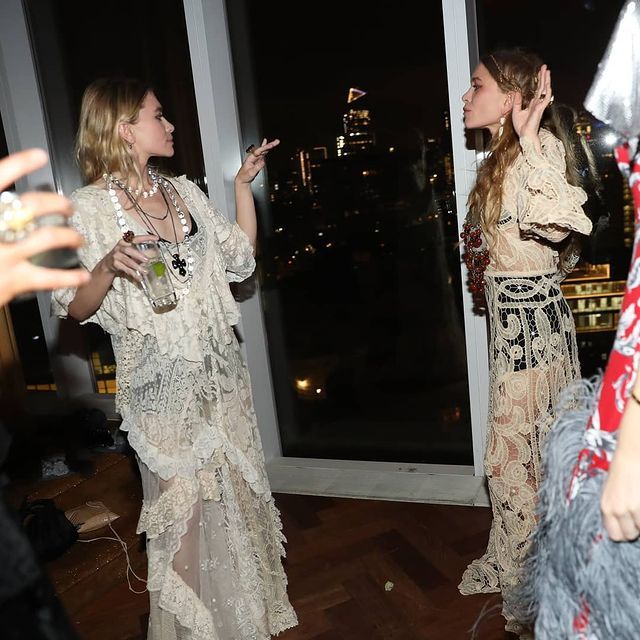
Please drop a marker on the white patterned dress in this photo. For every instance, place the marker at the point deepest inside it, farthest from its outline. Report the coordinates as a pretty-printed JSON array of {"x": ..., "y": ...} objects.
[
  {"x": 214, "y": 539},
  {"x": 533, "y": 353}
]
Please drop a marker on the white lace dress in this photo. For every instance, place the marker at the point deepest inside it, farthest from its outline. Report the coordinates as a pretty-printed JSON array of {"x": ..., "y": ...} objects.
[
  {"x": 533, "y": 353},
  {"x": 214, "y": 539}
]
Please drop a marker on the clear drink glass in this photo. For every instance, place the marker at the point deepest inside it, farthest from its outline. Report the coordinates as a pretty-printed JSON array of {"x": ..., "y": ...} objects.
[{"x": 155, "y": 276}]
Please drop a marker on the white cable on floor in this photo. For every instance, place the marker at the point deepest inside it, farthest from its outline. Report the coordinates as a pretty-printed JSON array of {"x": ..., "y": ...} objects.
[{"x": 123, "y": 544}]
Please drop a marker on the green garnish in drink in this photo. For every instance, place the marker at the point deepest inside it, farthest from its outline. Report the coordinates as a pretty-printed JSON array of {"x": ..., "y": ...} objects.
[{"x": 159, "y": 269}]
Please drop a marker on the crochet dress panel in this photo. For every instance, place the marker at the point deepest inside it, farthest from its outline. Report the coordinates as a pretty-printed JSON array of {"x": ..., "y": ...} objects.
[
  {"x": 533, "y": 353},
  {"x": 214, "y": 537}
]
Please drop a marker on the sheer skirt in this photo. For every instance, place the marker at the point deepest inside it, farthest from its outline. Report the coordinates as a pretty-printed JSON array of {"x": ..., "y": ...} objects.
[
  {"x": 214, "y": 564},
  {"x": 534, "y": 356},
  {"x": 214, "y": 539}
]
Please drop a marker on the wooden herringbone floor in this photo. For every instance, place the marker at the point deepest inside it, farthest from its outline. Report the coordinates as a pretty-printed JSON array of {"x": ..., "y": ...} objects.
[{"x": 341, "y": 554}]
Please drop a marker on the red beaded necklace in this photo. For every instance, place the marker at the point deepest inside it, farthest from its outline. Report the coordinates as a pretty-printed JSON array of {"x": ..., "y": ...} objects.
[{"x": 475, "y": 255}]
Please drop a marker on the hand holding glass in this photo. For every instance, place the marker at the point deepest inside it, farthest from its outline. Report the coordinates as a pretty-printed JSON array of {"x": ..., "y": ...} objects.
[{"x": 154, "y": 276}]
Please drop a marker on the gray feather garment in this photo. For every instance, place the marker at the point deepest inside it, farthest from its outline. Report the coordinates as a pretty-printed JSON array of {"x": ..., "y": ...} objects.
[{"x": 572, "y": 560}]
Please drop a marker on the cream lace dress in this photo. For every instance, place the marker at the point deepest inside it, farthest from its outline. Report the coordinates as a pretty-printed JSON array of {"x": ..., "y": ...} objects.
[
  {"x": 214, "y": 539},
  {"x": 533, "y": 353}
]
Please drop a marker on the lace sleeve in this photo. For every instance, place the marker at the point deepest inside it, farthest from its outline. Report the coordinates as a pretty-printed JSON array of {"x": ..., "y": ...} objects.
[
  {"x": 549, "y": 206},
  {"x": 86, "y": 221},
  {"x": 237, "y": 252}
]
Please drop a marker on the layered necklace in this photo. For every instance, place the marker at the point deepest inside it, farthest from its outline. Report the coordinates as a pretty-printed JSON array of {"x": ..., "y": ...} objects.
[
  {"x": 180, "y": 254},
  {"x": 134, "y": 193}
]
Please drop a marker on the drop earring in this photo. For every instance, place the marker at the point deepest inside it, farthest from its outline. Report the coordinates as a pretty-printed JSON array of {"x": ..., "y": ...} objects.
[
  {"x": 501, "y": 128},
  {"x": 130, "y": 145}
]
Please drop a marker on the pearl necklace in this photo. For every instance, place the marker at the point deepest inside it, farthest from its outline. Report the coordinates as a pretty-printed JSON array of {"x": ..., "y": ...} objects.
[
  {"x": 136, "y": 192},
  {"x": 184, "y": 266}
]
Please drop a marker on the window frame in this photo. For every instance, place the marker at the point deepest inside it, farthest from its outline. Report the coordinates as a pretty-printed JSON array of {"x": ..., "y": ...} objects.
[{"x": 223, "y": 142}]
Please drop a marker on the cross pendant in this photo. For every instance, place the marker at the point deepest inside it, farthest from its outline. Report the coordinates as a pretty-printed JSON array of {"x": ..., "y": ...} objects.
[{"x": 180, "y": 265}]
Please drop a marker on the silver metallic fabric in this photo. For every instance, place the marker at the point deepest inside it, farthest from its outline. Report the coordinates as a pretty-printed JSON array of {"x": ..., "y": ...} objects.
[{"x": 614, "y": 96}]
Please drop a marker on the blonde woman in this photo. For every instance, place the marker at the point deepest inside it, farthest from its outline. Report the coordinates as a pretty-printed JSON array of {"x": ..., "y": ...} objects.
[
  {"x": 524, "y": 210},
  {"x": 214, "y": 538}
]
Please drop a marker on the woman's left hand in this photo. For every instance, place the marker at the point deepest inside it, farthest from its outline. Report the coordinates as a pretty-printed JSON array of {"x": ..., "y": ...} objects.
[
  {"x": 526, "y": 122},
  {"x": 255, "y": 161}
]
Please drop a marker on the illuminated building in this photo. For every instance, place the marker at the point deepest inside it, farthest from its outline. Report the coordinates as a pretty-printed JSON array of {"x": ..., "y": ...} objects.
[
  {"x": 593, "y": 298},
  {"x": 628, "y": 215},
  {"x": 592, "y": 294},
  {"x": 317, "y": 156},
  {"x": 304, "y": 168},
  {"x": 583, "y": 126},
  {"x": 358, "y": 137}
]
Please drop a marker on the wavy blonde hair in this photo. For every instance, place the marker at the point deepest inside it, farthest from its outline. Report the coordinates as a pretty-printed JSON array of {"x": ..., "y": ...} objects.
[
  {"x": 516, "y": 70},
  {"x": 99, "y": 148}
]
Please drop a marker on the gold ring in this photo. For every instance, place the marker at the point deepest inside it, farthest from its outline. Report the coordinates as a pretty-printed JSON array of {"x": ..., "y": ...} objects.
[
  {"x": 16, "y": 220},
  {"x": 250, "y": 148}
]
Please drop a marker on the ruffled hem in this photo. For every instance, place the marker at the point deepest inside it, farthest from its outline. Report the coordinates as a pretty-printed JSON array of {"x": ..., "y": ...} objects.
[
  {"x": 481, "y": 576},
  {"x": 177, "y": 598},
  {"x": 281, "y": 539},
  {"x": 174, "y": 506},
  {"x": 283, "y": 619},
  {"x": 188, "y": 466},
  {"x": 174, "y": 509}
]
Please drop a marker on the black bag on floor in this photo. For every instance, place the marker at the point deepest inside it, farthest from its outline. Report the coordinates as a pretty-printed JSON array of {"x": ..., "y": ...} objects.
[{"x": 48, "y": 529}]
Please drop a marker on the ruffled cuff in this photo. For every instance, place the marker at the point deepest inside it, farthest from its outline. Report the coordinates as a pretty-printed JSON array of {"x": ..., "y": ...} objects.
[
  {"x": 109, "y": 316},
  {"x": 550, "y": 207}
]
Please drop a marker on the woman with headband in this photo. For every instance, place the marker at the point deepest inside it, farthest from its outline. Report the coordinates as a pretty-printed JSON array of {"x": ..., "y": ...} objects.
[{"x": 525, "y": 210}]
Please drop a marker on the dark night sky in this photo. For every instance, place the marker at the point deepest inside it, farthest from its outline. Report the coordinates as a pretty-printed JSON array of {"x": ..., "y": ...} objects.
[
  {"x": 307, "y": 55},
  {"x": 570, "y": 36}
]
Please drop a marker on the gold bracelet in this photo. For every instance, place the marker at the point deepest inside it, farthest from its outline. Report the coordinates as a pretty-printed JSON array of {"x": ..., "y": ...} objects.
[{"x": 634, "y": 397}]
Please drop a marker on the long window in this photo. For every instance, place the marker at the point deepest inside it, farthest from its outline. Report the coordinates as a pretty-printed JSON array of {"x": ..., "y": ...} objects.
[{"x": 359, "y": 265}]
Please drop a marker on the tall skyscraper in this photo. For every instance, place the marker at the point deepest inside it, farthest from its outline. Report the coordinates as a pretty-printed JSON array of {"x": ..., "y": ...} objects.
[{"x": 358, "y": 136}]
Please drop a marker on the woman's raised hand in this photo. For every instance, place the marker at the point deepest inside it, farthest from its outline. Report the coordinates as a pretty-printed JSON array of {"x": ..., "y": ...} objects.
[
  {"x": 255, "y": 161},
  {"x": 125, "y": 259},
  {"x": 526, "y": 122}
]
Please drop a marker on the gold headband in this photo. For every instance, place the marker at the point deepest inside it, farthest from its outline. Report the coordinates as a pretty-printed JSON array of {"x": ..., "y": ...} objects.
[{"x": 503, "y": 78}]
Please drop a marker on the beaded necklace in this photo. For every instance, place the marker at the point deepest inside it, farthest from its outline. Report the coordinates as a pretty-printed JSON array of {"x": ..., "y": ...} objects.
[
  {"x": 153, "y": 176},
  {"x": 184, "y": 266},
  {"x": 475, "y": 256}
]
